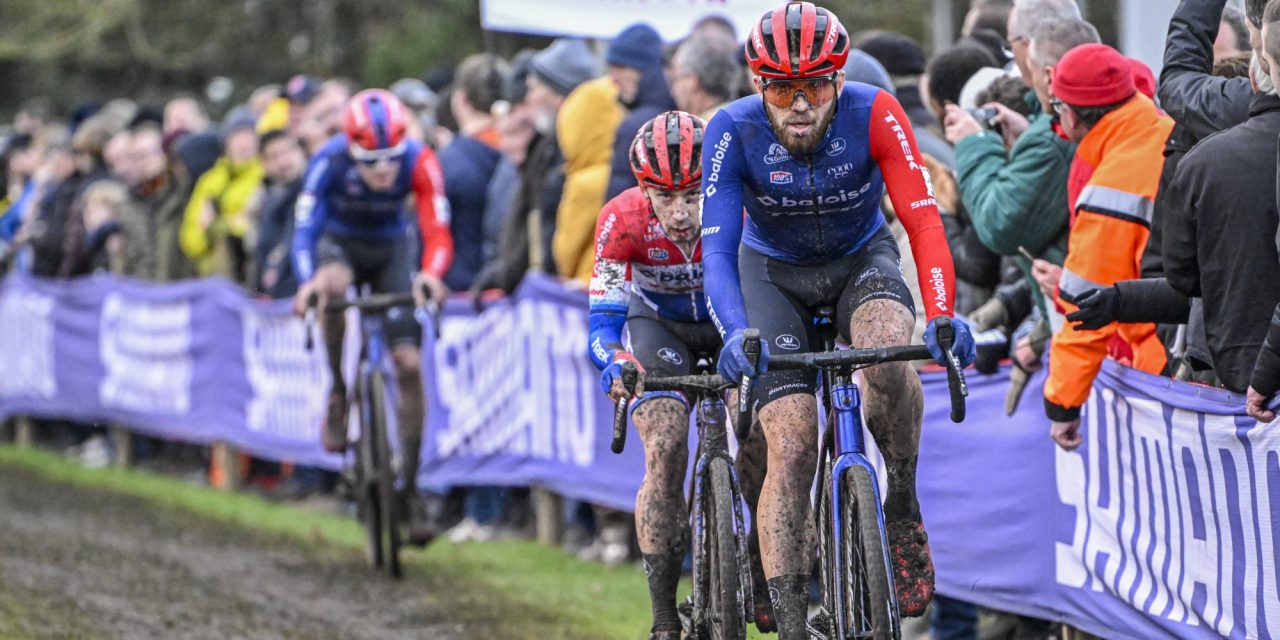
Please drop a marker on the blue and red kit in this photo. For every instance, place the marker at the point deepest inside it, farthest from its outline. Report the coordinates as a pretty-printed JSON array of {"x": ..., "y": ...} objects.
[
  {"x": 815, "y": 209},
  {"x": 336, "y": 201}
]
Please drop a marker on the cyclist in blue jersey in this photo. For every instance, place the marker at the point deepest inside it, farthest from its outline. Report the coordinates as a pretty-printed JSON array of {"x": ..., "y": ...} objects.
[
  {"x": 809, "y": 159},
  {"x": 350, "y": 228}
]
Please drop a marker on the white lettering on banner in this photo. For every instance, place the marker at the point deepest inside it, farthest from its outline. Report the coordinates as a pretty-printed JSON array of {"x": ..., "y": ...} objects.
[
  {"x": 146, "y": 350},
  {"x": 497, "y": 403},
  {"x": 606, "y": 18},
  {"x": 288, "y": 382},
  {"x": 26, "y": 339},
  {"x": 1174, "y": 517}
]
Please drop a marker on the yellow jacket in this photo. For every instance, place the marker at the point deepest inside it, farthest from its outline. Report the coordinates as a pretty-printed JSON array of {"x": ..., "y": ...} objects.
[
  {"x": 1111, "y": 222},
  {"x": 585, "y": 128},
  {"x": 230, "y": 189}
]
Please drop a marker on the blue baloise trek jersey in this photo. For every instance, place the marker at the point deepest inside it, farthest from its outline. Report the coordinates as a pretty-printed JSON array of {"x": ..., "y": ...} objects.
[
  {"x": 813, "y": 209},
  {"x": 335, "y": 200}
]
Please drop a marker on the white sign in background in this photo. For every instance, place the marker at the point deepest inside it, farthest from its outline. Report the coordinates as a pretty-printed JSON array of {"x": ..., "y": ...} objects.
[{"x": 605, "y": 19}]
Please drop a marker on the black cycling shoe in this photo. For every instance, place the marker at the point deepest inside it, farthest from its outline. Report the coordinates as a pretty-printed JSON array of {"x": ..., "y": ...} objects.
[
  {"x": 821, "y": 626},
  {"x": 665, "y": 633}
]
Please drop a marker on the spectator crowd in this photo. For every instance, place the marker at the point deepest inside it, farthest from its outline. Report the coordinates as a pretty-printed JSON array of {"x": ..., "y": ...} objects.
[{"x": 1093, "y": 210}]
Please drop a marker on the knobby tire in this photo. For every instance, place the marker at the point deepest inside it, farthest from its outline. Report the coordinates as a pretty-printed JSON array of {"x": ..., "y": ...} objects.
[
  {"x": 388, "y": 502},
  {"x": 724, "y": 589},
  {"x": 368, "y": 505},
  {"x": 869, "y": 605}
]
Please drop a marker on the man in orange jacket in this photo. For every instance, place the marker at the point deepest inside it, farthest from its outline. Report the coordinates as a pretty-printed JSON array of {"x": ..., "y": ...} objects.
[{"x": 1112, "y": 187}]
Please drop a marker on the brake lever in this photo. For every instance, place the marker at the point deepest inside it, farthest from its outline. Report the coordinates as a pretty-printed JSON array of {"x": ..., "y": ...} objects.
[
  {"x": 956, "y": 384},
  {"x": 629, "y": 377}
]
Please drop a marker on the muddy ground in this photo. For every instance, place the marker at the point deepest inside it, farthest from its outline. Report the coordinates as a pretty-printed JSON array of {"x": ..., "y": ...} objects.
[{"x": 81, "y": 563}]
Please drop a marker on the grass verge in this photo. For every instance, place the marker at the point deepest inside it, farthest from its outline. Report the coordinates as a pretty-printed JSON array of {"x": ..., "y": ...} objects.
[{"x": 585, "y": 600}]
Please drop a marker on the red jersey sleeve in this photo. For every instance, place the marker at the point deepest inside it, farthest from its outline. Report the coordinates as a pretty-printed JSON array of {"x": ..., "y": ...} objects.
[
  {"x": 433, "y": 214},
  {"x": 893, "y": 146}
]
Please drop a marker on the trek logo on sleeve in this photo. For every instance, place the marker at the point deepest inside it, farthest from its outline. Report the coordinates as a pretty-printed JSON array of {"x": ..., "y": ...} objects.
[
  {"x": 780, "y": 177},
  {"x": 902, "y": 140}
]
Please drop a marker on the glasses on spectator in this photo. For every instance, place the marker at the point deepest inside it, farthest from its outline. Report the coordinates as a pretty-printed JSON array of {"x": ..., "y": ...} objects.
[
  {"x": 372, "y": 158},
  {"x": 1058, "y": 106},
  {"x": 816, "y": 91}
]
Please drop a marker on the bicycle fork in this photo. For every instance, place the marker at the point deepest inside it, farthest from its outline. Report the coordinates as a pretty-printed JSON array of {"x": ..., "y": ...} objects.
[
  {"x": 849, "y": 451},
  {"x": 712, "y": 445}
]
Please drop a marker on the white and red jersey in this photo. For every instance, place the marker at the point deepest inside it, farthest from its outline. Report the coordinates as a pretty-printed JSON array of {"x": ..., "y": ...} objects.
[{"x": 635, "y": 256}]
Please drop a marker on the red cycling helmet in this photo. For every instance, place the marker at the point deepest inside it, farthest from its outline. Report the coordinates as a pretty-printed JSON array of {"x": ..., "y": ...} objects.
[
  {"x": 667, "y": 152},
  {"x": 797, "y": 40},
  {"x": 375, "y": 121}
]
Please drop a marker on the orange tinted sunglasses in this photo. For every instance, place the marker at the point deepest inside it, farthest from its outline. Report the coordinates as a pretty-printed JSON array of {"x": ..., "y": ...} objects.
[{"x": 816, "y": 91}]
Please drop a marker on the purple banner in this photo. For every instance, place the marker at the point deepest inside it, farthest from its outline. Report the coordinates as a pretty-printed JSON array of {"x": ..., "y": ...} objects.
[
  {"x": 1162, "y": 525},
  {"x": 196, "y": 361},
  {"x": 513, "y": 400}
]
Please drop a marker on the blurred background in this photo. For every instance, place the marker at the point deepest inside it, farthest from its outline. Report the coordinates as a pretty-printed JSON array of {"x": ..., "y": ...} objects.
[{"x": 149, "y": 49}]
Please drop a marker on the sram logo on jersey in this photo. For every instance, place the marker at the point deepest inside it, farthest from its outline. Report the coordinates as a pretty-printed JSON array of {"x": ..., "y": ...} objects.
[
  {"x": 717, "y": 161},
  {"x": 780, "y": 177},
  {"x": 939, "y": 286},
  {"x": 707, "y": 231}
]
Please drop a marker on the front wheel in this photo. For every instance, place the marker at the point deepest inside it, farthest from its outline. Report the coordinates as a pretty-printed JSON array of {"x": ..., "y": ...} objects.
[
  {"x": 368, "y": 506},
  {"x": 870, "y": 610},
  {"x": 725, "y": 596},
  {"x": 388, "y": 502}
]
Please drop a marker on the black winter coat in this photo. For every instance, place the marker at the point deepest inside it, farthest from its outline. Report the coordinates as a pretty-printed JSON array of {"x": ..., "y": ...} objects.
[
  {"x": 1219, "y": 241},
  {"x": 1188, "y": 90}
]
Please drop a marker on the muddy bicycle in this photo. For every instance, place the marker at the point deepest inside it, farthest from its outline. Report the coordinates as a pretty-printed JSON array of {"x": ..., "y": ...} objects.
[
  {"x": 721, "y": 601},
  {"x": 380, "y": 498}
]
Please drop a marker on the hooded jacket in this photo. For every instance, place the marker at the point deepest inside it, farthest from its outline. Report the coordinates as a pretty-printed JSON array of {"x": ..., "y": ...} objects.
[
  {"x": 652, "y": 98},
  {"x": 1119, "y": 162},
  {"x": 585, "y": 127}
]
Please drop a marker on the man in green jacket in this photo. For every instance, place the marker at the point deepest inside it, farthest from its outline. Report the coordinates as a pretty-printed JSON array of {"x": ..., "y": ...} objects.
[{"x": 1014, "y": 184}]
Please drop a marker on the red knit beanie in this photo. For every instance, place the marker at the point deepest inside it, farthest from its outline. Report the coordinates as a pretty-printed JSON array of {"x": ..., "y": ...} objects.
[{"x": 1093, "y": 75}]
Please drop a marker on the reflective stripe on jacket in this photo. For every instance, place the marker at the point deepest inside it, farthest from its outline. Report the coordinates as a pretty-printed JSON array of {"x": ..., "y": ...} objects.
[{"x": 1111, "y": 220}]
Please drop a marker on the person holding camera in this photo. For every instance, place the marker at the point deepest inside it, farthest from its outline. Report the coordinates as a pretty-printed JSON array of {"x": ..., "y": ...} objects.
[{"x": 1014, "y": 182}]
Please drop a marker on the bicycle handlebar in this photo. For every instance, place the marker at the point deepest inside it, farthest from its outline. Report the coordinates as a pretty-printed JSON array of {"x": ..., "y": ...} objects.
[
  {"x": 863, "y": 357},
  {"x": 690, "y": 385},
  {"x": 367, "y": 304}
]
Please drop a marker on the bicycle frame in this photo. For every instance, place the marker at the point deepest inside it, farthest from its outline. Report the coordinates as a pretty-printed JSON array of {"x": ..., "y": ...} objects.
[
  {"x": 373, "y": 356},
  {"x": 845, "y": 441}
]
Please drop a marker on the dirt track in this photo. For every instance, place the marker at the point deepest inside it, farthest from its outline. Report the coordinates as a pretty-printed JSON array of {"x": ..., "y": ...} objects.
[{"x": 78, "y": 563}]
